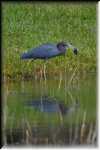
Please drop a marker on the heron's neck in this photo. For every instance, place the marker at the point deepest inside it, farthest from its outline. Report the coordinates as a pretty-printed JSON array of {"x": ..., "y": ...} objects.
[{"x": 61, "y": 48}]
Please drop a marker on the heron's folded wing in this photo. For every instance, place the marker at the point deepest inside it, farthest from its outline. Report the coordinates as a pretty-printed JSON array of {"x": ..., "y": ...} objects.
[{"x": 42, "y": 51}]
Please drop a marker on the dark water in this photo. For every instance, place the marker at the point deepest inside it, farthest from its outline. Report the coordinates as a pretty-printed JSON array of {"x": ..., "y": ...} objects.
[{"x": 51, "y": 112}]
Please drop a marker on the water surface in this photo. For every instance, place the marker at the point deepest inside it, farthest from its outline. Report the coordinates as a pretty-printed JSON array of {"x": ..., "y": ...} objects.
[{"x": 57, "y": 112}]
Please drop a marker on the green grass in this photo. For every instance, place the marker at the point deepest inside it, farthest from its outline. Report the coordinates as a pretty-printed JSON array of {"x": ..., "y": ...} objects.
[{"x": 27, "y": 25}]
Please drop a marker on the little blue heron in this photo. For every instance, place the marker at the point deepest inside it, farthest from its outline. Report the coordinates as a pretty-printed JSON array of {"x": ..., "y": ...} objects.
[{"x": 48, "y": 50}]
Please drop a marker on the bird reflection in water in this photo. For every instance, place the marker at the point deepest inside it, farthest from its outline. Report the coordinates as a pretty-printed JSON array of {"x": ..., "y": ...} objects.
[{"x": 51, "y": 105}]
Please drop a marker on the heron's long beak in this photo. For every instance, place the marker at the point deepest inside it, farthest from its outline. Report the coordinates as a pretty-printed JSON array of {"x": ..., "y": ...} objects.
[{"x": 75, "y": 50}]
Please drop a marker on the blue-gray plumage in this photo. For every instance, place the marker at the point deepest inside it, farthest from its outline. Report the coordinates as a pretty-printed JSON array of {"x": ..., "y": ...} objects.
[{"x": 46, "y": 51}]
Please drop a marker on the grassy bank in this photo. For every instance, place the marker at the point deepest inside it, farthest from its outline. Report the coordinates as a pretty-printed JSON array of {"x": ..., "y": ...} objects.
[{"x": 26, "y": 25}]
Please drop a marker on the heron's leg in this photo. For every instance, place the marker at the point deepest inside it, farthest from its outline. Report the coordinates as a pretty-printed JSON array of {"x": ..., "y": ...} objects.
[
  {"x": 44, "y": 69},
  {"x": 32, "y": 60}
]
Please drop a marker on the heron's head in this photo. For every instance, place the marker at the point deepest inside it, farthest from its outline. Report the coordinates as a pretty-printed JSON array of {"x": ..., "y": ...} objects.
[
  {"x": 62, "y": 46},
  {"x": 75, "y": 50}
]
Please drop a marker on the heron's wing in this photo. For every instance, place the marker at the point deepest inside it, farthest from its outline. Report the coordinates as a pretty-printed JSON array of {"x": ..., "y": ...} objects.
[
  {"x": 46, "y": 50},
  {"x": 43, "y": 51}
]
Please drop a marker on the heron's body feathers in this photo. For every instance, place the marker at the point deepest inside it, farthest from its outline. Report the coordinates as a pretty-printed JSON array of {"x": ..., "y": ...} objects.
[
  {"x": 48, "y": 50},
  {"x": 43, "y": 52}
]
